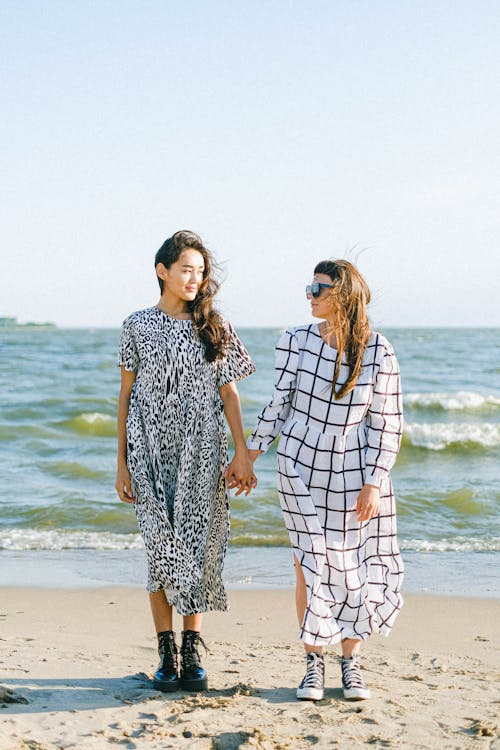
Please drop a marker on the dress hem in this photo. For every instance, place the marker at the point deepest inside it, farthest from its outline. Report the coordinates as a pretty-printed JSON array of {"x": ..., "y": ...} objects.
[{"x": 186, "y": 605}]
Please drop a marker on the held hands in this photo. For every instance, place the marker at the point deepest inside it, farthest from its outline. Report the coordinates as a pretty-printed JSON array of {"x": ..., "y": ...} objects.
[
  {"x": 239, "y": 473},
  {"x": 123, "y": 486},
  {"x": 368, "y": 502}
]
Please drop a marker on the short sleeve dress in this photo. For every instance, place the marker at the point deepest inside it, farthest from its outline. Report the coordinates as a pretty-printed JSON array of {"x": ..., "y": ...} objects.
[
  {"x": 328, "y": 450},
  {"x": 176, "y": 454}
]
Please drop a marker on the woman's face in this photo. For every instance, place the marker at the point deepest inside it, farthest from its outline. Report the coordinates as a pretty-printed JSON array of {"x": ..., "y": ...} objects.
[
  {"x": 184, "y": 277},
  {"x": 322, "y": 306}
]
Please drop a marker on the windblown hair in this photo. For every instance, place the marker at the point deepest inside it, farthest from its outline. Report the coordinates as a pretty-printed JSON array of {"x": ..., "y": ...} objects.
[
  {"x": 350, "y": 295},
  {"x": 207, "y": 321}
]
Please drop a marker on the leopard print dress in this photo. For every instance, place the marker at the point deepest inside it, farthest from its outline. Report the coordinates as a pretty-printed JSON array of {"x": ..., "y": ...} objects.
[{"x": 176, "y": 454}]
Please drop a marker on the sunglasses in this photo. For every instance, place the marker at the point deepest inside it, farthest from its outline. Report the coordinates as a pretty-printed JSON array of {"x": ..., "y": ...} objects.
[{"x": 314, "y": 289}]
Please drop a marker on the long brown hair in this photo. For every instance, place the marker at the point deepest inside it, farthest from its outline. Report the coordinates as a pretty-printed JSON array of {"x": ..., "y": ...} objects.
[
  {"x": 350, "y": 295},
  {"x": 207, "y": 321}
]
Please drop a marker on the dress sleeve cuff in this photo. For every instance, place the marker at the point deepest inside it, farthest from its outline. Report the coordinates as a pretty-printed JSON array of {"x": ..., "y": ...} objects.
[
  {"x": 256, "y": 445},
  {"x": 375, "y": 475}
]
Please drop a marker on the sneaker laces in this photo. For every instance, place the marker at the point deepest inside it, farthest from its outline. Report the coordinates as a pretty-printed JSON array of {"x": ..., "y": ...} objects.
[
  {"x": 351, "y": 673},
  {"x": 315, "y": 671}
]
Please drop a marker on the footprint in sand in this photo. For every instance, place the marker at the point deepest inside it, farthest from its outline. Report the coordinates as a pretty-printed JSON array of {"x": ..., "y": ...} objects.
[
  {"x": 380, "y": 742},
  {"x": 257, "y": 740},
  {"x": 438, "y": 665},
  {"x": 480, "y": 728}
]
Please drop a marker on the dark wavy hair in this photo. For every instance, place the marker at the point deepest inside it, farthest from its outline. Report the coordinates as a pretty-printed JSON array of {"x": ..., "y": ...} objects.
[
  {"x": 207, "y": 321},
  {"x": 350, "y": 295}
]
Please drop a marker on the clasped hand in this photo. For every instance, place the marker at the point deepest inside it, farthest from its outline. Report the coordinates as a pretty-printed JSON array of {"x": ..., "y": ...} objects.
[{"x": 239, "y": 473}]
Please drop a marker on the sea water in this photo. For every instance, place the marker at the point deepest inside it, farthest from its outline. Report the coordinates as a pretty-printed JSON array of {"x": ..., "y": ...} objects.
[{"x": 61, "y": 522}]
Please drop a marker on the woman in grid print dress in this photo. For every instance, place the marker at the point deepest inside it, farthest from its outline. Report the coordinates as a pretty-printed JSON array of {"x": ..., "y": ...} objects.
[
  {"x": 179, "y": 363},
  {"x": 337, "y": 404}
]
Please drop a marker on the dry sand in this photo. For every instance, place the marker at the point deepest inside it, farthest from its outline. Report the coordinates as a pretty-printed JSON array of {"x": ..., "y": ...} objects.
[{"x": 75, "y": 667}]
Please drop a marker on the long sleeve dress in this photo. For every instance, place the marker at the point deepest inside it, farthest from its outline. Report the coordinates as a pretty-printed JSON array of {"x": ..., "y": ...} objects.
[
  {"x": 328, "y": 450},
  {"x": 177, "y": 452}
]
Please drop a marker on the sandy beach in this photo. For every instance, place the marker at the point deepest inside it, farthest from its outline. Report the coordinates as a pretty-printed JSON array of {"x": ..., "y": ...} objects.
[{"x": 75, "y": 667}]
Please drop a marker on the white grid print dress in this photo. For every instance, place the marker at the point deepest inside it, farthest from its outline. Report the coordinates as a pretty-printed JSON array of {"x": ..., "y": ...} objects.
[{"x": 328, "y": 450}]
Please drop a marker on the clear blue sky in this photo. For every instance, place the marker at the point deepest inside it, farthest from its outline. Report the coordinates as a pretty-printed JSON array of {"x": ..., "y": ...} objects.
[{"x": 282, "y": 132}]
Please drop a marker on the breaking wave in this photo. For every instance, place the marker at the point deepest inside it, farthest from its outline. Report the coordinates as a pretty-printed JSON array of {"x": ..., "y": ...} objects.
[
  {"x": 459, "y": 401},
  {"x": 439, "y": 436}
]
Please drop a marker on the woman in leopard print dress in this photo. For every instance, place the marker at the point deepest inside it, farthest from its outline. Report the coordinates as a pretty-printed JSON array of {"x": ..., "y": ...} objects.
[{"x": 179, "y": 363}]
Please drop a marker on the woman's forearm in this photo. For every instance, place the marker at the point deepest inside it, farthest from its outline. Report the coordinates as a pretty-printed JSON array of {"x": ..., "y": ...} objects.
[
  {"x": 232, "y": 411},
  {"x": 253, "y": 454},
  {"x": 127, "y": 384},
  {"x": 123, "y": 407}
]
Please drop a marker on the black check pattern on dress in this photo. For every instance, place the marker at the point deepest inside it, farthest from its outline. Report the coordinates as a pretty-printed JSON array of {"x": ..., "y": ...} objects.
[
  {"x": 328, "y": 450},
  {"x": 176, "y": 454}
]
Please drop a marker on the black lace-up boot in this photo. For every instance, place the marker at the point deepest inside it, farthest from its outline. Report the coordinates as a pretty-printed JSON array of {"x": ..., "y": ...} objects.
[
  {"x": 166, "y": 677},
  {"x": 193, "y": 676}
]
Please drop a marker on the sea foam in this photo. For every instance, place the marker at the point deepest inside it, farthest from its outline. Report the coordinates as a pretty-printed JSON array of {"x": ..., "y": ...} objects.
[
  {"x": 459, "y": 401},
  {"x": 94, "y": 423},
  {"x": 453, "y": 544},
  {"x": 440, "y": 435},
  {"x": 59, "y": 539}
]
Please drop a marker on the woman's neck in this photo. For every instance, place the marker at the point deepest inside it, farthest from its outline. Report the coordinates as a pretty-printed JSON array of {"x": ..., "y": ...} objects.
[
  {"x": 327, "y": 332},
  {"x": 175, "y": 307}
]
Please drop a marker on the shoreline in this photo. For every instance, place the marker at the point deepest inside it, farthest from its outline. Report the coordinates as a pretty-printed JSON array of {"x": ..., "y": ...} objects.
[
  {"x": 82, "y": 659},
  {"x": 469, "y": 574}
]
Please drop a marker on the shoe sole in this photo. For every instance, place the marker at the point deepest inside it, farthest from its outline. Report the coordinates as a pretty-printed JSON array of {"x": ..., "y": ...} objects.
[
  {"x": 310, "y": 694},
  {"x": 356, "y": 694},
  {"x": 194, "y": 686},
  {"x": 166, "y": 687}
]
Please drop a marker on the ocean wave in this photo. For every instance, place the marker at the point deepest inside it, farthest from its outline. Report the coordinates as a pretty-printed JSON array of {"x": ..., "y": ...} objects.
[
  {"x": 441, "y": 435},
  {"x": 59, "y": 539},
  {"x": 454, "y": 544},
  {"x": 459, "y": 401},
  {"x": 72, "y": 514},
  {"x": 22, "y": 432},
  {"x": 93, "y": 423},
  {"x": 22, "y": 413},
  {"x": 273, "y": 539},
  {"x": 465, "y": 500},
  {"x": 73, "y": 470}
]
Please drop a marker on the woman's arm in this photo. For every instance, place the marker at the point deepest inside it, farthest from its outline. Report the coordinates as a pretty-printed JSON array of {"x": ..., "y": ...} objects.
[
  {"x": 272, "y": 418},
  {"x": 253, "y": 454},
  {"x": 384, "y": 429},
  {"x": 239, "y": 473},
  {"x": 122, "y": 485},
  {"x": 384, "y": 420}
]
